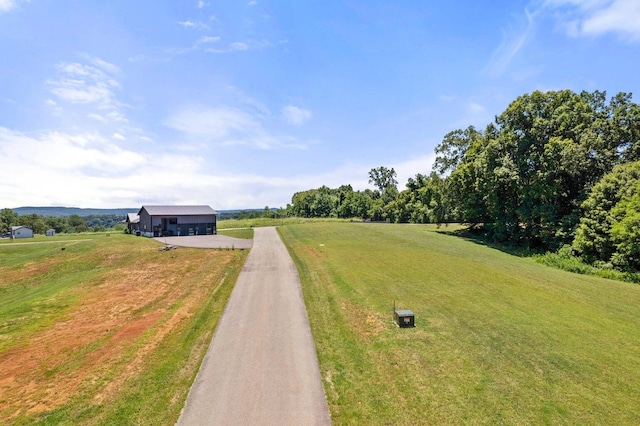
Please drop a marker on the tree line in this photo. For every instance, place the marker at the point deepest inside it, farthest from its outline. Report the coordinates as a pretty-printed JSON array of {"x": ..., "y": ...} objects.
[
  {"x": 69, "y": 224},
  {"x": 555, "y": 170}
]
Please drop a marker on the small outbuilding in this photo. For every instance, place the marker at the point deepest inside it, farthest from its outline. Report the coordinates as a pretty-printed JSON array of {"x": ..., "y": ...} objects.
[
  {"x": 133, "y": 223},
  {"x": 50, "y": 232},
  {"x": 21, "y": 232},
  {"x": 166, "y": 221}
]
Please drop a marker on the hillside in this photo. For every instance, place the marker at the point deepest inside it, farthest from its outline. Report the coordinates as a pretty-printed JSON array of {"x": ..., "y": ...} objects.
[{"x": 68, "y": 211}]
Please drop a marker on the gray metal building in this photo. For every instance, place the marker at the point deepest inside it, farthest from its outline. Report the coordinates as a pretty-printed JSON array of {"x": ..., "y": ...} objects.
[{"x": 160, "y": 221}]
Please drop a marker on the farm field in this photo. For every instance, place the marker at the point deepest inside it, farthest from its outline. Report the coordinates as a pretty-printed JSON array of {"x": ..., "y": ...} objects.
[
  {"x": 498, "y": 339},
  {"x": 107, "y": 331}
]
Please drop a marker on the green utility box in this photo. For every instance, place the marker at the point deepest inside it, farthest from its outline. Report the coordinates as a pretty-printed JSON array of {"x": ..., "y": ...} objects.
[{"x": 404, "y": 318}]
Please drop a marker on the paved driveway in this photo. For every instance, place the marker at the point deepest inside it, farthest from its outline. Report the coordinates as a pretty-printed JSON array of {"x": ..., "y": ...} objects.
[
  {"x": 261, "y": 367},
  {"x": 207, "y": 241}
]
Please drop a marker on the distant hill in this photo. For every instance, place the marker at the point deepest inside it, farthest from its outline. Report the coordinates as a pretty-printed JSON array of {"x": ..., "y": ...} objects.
[{"x": 68, "y": 211}]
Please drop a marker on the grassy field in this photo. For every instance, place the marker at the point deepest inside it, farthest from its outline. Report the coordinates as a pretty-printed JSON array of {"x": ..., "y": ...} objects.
[
  {"x": 499, "y": 339},
  {"x": 222, "y": 225},
  {"x": 107, "y": 331}
]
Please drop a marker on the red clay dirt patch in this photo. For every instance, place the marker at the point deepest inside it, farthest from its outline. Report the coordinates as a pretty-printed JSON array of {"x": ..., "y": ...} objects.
[{"x": 105, "y": 337}]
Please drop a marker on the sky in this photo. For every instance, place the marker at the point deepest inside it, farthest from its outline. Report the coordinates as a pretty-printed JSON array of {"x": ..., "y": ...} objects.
[{"x": 241, "y": 104}]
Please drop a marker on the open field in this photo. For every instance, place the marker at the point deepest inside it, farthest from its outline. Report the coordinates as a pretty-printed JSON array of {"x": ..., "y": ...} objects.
[
  {"x": 499, "y": 339},
  {"x": 267, "y": 221},
  {"x": 108, "y": 331}
]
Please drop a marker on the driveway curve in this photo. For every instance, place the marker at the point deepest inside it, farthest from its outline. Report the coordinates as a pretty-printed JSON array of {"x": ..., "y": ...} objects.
[{"x": 261, "y": 367}]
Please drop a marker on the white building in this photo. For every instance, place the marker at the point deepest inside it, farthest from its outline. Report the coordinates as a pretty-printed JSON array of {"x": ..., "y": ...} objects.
[{"x": 21, "y": 232}]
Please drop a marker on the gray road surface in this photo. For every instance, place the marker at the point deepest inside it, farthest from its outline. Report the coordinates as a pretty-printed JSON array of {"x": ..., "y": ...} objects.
[
  {"x": 207, "y": 241},
  {"x": 261, "y": 367}
]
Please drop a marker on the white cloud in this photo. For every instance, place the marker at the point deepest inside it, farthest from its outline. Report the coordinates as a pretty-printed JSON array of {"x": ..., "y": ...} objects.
[
  {"x": 207, "y": 40},
  {"x": 118, "y": 136},
  {"x": 202, "y": 4},
  {"x": 215, "y": 124},
  {"x": 226, "y": 126},
  {"x": 83, "y": 84},
  {"x": 242, "y": 46},
  {"x": 105, "y": 66},
  {"x": 239, "y": 46},
  {"x": 193, "y": 24},
  {"x": 294, "y": 115},
  {"x": 599, "y": 17},
  {"x": 6, "y": 5},
  {"x": 410, "y": 168},
  {"x": 87, "y": 170}
]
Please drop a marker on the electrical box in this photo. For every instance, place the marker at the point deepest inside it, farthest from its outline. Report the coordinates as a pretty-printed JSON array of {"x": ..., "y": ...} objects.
[{"x": 404, "y": 318}]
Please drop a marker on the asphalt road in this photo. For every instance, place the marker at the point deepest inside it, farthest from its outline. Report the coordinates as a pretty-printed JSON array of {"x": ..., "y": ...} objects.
[{"x": 261, "y": 367}]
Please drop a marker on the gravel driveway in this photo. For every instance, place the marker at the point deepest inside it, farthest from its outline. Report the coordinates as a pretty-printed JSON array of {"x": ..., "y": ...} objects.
[
  {"x": 207, "y": 241},
  {"x": 261, "y": 367}
]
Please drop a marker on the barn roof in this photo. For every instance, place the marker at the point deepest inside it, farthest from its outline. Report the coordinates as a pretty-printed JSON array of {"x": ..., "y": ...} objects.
[
  {"x": 178, "y": 210},
  {"x": 133, "y": 218}
]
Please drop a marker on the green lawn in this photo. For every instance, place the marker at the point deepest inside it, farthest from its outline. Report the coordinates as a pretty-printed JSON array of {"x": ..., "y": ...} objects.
[
  {"x": 499, "y": 339},
  {"x": 108, "y": 331}
]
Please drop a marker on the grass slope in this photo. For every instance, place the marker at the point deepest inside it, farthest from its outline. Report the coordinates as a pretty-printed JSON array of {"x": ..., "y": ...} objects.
[
  {"x": 108, "y": 331},
  {"x": 499, "y": 339}
]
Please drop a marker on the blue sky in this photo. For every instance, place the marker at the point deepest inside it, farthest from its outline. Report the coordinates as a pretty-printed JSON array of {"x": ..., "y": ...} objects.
[{"x": 240, "y": 104}]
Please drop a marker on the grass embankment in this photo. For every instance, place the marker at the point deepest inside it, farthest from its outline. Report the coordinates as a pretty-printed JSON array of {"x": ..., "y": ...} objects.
[
  {"x": 499, "y": 339},
  {"x": 222, "y": 225},
  {"x": 108, "y": 331}
]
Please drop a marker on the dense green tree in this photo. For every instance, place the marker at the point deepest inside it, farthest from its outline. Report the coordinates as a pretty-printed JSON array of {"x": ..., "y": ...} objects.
[
  {"x": 76, "y": 224},
  {"x": 525, "y": 176},
  {"x": 421, "y": 202},
  {"x": 321, "y": 202},
  {"x": 625, "y": 232},
  {"x": 451, "y": 152},
  {"x": 385, "y": 180},
  {"x": 593, "y": 240},
  {"x": 59, "y": 224},
  {"x": 35, "y": 222},
  {"x": 8, "y": 218}
]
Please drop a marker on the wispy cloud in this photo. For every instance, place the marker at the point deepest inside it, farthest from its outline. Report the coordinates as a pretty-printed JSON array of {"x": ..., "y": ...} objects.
[
  {"x": 193, "y": 24},
  {"x": 6, "y": 5},
  {"x": 237, "y": 46},
  {"x": 295, "y": 115},
  {"x": 514, "y": 39},
  {"x": 227, "y": 127},
  {"x": 598, "y": 17},
  {"x": 206, "y": 43},
  {"x": 84, "y": 84}
]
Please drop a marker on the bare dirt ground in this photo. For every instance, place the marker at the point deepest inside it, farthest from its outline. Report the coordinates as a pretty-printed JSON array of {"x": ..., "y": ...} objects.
[{"x": 102, "y": 339}]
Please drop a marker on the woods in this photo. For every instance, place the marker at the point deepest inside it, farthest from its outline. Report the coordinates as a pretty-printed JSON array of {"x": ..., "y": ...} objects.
[
  {"x": 68, "y": 224},
  {"x": 555, "y": 169}
]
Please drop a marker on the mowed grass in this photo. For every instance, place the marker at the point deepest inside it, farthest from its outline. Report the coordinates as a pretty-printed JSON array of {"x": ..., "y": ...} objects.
[
  {"x": 109, "y": 330},
  {"x": 499, "y": 339}
]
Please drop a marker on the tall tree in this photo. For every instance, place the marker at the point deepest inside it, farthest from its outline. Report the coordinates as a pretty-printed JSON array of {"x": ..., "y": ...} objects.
[
  {"x": 526, "y": 175},
  {"x": 593, "y": 240},
  {"x": 8, "y": 218},
  {"x": 383, "y": 178}
]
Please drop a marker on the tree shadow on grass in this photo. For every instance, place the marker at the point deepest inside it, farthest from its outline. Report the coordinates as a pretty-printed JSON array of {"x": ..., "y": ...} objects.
[{"x": 478, "y": 235}]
